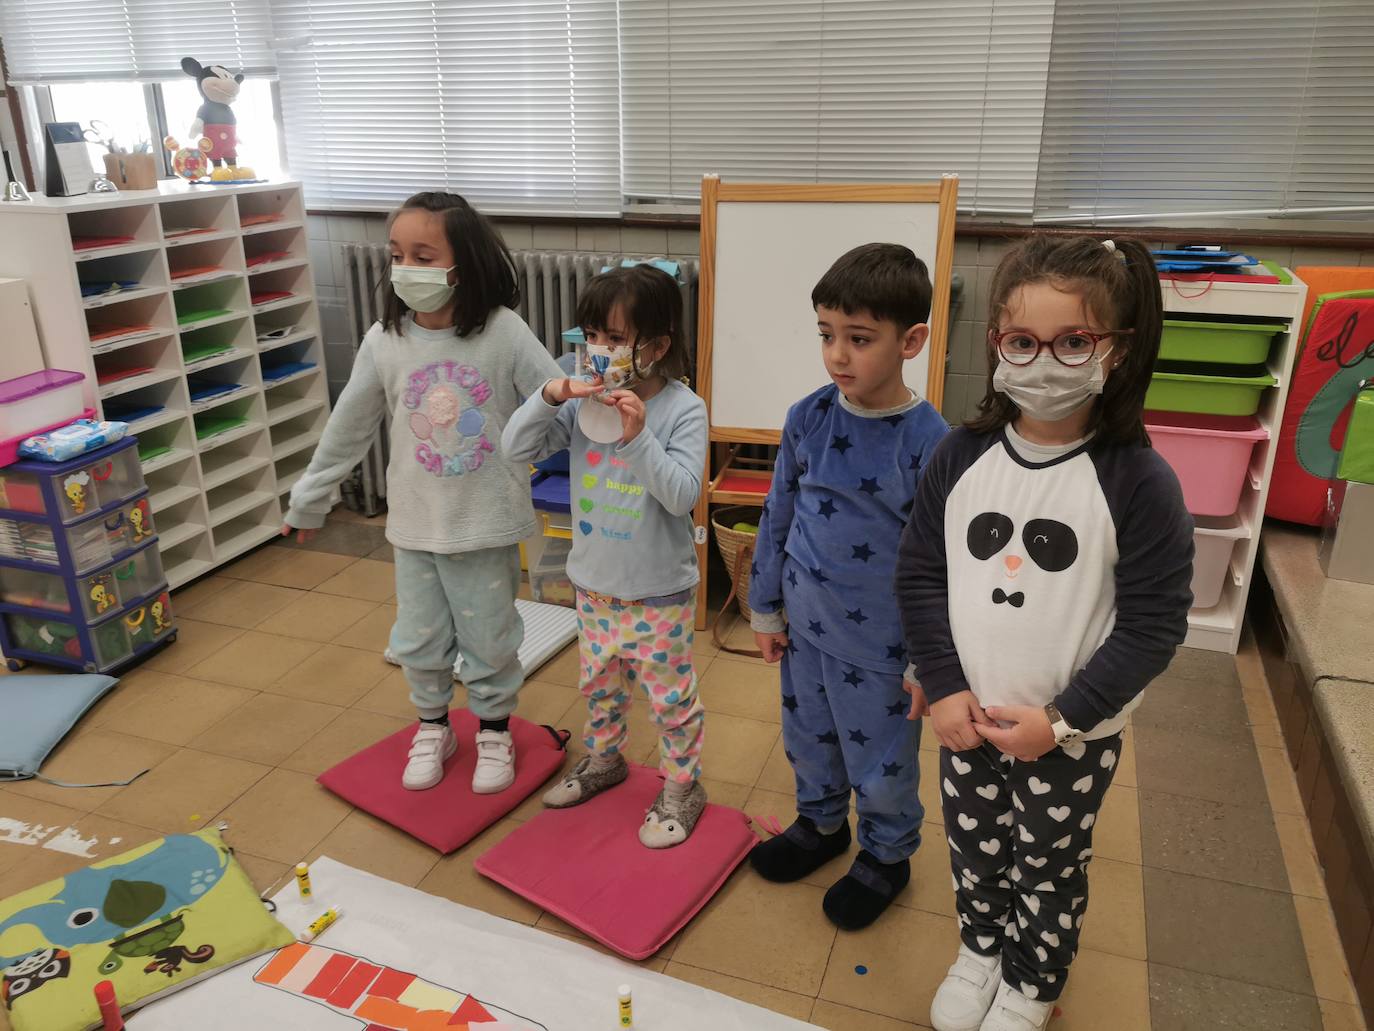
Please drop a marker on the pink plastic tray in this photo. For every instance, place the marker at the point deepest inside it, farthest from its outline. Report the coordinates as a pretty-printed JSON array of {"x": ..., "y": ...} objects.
[{"x": 1210, "y": 454}]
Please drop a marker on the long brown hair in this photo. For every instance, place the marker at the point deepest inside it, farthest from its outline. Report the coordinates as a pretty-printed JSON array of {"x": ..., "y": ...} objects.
[
  {"x": 1123, "y": 294},
  {"x": 486, "y": 274}
]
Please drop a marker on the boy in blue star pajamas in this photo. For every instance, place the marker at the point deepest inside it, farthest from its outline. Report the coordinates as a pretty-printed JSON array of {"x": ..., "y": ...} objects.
[{"x": 821, "y": 588}]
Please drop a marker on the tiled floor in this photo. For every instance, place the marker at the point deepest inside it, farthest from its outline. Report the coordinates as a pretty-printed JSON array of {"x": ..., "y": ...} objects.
[{"x": 1208, "y": 910}]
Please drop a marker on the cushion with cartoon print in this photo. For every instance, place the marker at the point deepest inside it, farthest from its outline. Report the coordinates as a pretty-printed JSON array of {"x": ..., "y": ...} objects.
[{"x": 150, "y": 921}]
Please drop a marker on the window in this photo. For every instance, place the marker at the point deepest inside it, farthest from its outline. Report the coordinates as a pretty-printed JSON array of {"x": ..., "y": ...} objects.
[
  {"x": 515, "y": 104},
  {"x": 259, "y": 148},
  {"x": 119, "y": 107}
]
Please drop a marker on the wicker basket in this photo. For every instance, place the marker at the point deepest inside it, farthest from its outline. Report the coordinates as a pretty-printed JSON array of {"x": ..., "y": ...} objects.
[{"x": 733, "y": 544}]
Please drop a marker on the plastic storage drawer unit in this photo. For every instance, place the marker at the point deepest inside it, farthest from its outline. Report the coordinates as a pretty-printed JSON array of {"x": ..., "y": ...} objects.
[
  {"x": 41, "y": 399},
  {"x": 1225, "y": 343},
  {"x": 1207, "y": 389},
  {"x": 1213, "y": 542},
  {"x": 1210, "y": 454}
]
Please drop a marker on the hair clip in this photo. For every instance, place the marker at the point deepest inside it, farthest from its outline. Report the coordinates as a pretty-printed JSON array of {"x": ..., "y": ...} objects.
[{"x": 1110, "y": 245}]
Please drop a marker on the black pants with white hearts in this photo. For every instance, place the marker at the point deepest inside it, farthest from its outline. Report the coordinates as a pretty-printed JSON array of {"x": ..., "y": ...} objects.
[{"x": 1020, "y": 837}]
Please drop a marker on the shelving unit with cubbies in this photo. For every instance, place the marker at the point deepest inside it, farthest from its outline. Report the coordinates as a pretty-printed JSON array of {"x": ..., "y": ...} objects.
[{"x": 192, "y": 312}]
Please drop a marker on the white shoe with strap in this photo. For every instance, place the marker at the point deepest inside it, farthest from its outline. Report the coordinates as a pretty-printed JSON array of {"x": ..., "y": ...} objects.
[
  {"x": 965, "y": 995},
  {"x": 429, "y": 750},
  {"x": 495, "y": 769},
  {"x": 1014, "y": 1011}
]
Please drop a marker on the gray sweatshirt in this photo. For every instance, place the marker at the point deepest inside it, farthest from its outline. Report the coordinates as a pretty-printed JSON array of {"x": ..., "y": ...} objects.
[
  {"x": 449, "y": 487},
  {"x": 631, "y": 503}
]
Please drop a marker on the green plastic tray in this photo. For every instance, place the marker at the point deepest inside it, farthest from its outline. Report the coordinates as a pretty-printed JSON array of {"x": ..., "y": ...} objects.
[
  {"x": 1216, "y": 389},
  {"x": 1226, "y": 343}
]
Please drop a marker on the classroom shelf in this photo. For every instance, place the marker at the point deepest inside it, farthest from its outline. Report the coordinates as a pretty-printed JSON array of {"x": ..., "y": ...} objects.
[
  {"x": 280, "y": 412},
  {"x": 200, "y": 485}
]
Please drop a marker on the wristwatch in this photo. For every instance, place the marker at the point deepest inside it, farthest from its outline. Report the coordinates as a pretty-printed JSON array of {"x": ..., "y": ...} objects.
[{"x": 1063, "y": 733}]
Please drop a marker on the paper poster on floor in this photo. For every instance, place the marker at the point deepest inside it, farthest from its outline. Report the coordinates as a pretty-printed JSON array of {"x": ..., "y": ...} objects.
[{"x": 400, "y": 959}]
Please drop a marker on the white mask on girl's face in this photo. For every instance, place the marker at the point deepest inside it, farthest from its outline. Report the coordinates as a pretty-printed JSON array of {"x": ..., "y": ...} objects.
[
  {"x": 422, "y": 288},
  {"x": 1049, "y": 390}
]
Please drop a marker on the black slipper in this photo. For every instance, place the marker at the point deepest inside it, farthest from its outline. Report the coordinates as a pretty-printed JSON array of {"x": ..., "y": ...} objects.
[
  {"x": 798, "y": 851},
  {"x": 860, "y": 896}
]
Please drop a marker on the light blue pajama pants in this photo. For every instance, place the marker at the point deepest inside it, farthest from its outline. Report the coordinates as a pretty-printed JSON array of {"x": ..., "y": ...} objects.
[{"x": 459, "y": 605}]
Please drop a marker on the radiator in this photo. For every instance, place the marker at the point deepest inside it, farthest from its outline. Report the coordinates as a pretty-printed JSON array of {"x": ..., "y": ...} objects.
[{"x": 550, "y": 283}]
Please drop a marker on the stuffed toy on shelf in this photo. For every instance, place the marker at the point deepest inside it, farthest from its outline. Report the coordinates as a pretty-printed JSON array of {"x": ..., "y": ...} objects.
[{"x": 216, "y": 153}]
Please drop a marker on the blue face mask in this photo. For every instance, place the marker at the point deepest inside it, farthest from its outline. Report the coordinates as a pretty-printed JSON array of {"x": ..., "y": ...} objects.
[{"x": 422, "y": 289}]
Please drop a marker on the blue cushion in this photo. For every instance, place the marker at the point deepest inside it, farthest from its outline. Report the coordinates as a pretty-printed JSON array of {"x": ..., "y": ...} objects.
[{"x": 37, "y": 711}]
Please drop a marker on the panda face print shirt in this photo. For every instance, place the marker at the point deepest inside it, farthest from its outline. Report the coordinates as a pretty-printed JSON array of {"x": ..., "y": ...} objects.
[{"x": 1030, "y": 574}]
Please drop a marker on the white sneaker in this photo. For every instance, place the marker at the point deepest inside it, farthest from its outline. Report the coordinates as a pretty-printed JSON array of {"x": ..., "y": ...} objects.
[
  {"x": 495, "y": 770},
  {"x": 964, "y": 996},
  {"x": 429, "y": 749},
  {"x": 1013, "y": 1011}
]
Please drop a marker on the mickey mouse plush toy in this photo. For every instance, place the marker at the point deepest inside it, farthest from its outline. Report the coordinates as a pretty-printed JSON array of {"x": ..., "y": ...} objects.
[{"x": 215, "y": 123}]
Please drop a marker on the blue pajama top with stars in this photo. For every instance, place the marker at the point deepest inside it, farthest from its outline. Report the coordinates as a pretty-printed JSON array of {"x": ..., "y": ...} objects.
[{"x": 843, "y": 487}]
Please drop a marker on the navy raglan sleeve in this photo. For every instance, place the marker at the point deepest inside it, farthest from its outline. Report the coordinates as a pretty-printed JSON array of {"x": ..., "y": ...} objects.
[
  {"x": 775, "y": 521},
  {"x": 922, "y": 579},
  {"x": 1154, "y": 573}
]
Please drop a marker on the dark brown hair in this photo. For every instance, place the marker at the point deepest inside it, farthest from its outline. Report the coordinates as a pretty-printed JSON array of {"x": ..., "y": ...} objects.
[
  {"x": 486, "y": 274},
  {"x": 886, "y": 280},
  {"x": 652, "y": 303},
  {"x": 1123, "y": 294}
]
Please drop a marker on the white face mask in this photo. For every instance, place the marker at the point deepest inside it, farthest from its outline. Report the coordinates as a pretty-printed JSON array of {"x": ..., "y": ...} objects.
[
  {"x": 422, "y": 289},
  {"x": 615, "y": 364},
  {"x": 1047, "y": 389}
]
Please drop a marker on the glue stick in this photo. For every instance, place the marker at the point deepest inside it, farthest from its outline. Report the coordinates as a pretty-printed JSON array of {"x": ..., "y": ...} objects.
[
  {"x": 109, "y": 1007},
  {"x": 627, "y": 1010},
  {"x": 318, "y": 925},
  {"x": 303, "y": 879}
]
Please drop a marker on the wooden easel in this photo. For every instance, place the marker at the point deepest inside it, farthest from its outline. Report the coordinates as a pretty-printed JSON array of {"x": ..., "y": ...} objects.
[{"x": 745, "y": 481}]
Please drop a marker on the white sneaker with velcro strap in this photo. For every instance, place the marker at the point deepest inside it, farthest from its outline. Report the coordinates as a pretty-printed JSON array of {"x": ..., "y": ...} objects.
[
  {"x": 429, "y": 750},
  {"x": 965, "y": 995}
]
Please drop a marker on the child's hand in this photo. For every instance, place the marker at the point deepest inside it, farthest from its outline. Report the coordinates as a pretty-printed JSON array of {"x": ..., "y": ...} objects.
[
  {"x": 954, "y": 718},
  {"x": 771, "y": 645},
  {"x": 302, "y": 536},
  {"x": 556, "y": 391},
  {"x": 631, "y": 407},
  {"x": 919, "y": 706},
  {"x": 1030, "y": 738}
]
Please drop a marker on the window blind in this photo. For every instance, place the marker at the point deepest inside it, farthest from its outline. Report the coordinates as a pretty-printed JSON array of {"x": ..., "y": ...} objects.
[
  {"x": 834, "y": 90},
  {"x": 515, "y": 105},
  {"x": 108, "y": 40},
  {"x": 1226, "y": 108}
]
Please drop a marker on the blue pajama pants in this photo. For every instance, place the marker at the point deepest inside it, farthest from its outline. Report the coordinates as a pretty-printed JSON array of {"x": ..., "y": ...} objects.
[{"x": 845, "y": 729}]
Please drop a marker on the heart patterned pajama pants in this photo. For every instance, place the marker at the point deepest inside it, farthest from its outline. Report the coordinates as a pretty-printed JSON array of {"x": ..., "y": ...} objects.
[
  {"x": 648, "y": 643},
  {"x": 1020, "y": 838}
]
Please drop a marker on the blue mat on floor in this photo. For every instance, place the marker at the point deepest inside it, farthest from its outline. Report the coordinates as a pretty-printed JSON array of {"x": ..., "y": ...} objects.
[{"x": 37, "y": 711}]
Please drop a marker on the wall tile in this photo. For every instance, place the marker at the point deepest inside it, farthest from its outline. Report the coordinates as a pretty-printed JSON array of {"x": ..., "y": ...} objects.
[
  {"x": 586, "y": 238},
  {"x": 644, "y": 240},
  {"x": 338, "y": 361},
  {"x": 1326, "y": 256},
  {"x": 555, "y": 238},
  {"x": 686, "y": 243},
  {"x": 1282, "y": 255},
  {"x": 974, "y": 388},
  {"x": 376, "y": 229},
  {"x": 347, "y": 229},
  {"x": 991, "y": 250},
  {"x": 966, "y": 250},
  {"x": 960, "y": 347},
  {"x": 963, "y": 300},
  {"x": 605, "y": 239},
  {"x": 321, "y": 262},
  {"x": 317, "y": 227},
  {"x": 519, "y": 236},
  {"x": 334, "y": 324},
  {"x": 952, "y": 407}
]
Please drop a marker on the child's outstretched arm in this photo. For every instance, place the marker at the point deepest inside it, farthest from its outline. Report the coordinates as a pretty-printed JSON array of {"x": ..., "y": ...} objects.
[
  {"x": 346, "y": 438},
  {"x": 775, "y": 522},
  {"x": 671, "y": 472}
]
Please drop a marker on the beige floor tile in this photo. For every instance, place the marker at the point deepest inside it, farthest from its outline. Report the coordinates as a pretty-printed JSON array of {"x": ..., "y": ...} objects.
[
  {"x": 92, "y": 759},
  {"x": 1325, "y": 956},
  {"x": 790, "y": 1003},
  {"x": 184, "y": 792},
  {"x": 284, "y": 816},
  {"x": 906, "y": 954},
  {"x": 254, "y": 660},
  {"x": 563, "y": 668},
  {"x": 929, "y": 790},
  {"x": 554, "y": 925},
  {"x": 196, "y": 641},
  {"x": 350, "y": 732},
  {"x": 372, "y": 632},
  {"x": 24, "y": 866},
  {"x": 185, "y": 600},
  {"x": 1125, "y": 763},
  {"x": 1116, "y": 835},
  {"x": 1339, "y": 1016},
  {"x": 333, "y": 674},
  {"x": 777, "y": 771},
  {"x": 846, "y": 1018},
  {"x": 1105, "y": 992},
  {"x": 454, "y": 878},
  {"x": 369, "y": 844},
  {"x": 772, "y": 934},
  {"x": 1281, "y": 784},
  {"x": 172, "y": 709},
  {"x": 736, "y": 748},
  {"x": 366, "y": 579},
  {"x": 1115, "y": 921},
  {"x": 1267, "y": 735},
  {"x": 1299, "y": 856},
  {"x": 266, "y": 729},
  {"x": 723, "y": 793},
  {"x": 317, "y": 617},
  {"x": 242, "y": 603},
  {"x": 289, "y": 567},
  {"x": 543, "y": 702},
  {"x": 267, "y": 875},
  {"x": 735, "y": 633},
  {"x": 930, "y": 888},
  {"x": 390, "y": 697},
  {"x": 736, "y": 688}
]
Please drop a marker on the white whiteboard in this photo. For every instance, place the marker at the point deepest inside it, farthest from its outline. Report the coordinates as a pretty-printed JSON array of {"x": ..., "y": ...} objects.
[{"x": 765, "y": 351}]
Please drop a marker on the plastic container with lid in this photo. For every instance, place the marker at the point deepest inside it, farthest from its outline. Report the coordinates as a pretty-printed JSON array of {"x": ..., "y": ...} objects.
[
  {"x": 30, "y": 404},
  {"x": 1214, "y": 389},
  {"x": 1210, "y": 454},
  {"x": 1228, "y": 343}
]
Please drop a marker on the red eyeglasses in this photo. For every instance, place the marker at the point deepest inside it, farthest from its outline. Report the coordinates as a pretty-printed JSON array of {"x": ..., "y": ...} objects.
[{"x": 1017, "y": 347}]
